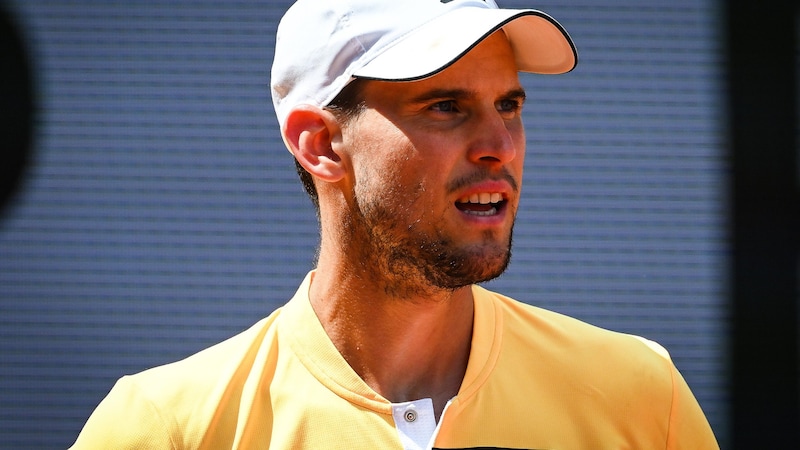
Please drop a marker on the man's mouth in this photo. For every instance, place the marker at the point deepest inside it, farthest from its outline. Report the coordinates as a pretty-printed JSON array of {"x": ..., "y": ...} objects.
[{"x": 482, "y": 204}]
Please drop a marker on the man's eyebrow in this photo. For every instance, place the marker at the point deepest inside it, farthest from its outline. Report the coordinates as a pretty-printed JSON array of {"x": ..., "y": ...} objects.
[
  {"x": 457, "y": 94},
  {"x": 517, "y": 93},
  {"x": 435, "y": 94}
]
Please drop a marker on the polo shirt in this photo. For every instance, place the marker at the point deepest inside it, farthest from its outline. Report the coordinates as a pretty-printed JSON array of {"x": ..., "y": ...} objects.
[{"x": 535, "y": 380}]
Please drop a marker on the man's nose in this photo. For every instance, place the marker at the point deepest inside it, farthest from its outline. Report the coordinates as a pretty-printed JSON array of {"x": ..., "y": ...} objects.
[{"x": 493, "y": 139}]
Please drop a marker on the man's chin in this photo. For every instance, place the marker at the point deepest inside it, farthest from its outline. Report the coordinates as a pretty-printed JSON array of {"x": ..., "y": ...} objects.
[{"x": 472, "y": 270}]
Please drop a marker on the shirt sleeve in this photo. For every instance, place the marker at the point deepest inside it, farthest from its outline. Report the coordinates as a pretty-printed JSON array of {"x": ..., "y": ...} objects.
[
  {"x": 689, "y": 428},
  {"x": 125, "y": 419}
]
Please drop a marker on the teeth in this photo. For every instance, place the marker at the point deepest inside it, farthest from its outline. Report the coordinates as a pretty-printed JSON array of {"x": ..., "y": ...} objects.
[
  {"x": 490, "y": 212},
  {"x": 484, "y": 198}
]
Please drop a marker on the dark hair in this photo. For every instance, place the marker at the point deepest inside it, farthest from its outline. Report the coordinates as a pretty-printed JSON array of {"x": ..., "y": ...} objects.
[{"x": 347, "y": 105}]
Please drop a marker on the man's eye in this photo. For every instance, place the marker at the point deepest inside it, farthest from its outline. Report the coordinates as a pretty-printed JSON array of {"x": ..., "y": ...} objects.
[
  {"x": 445, "y": 106},
  {"x": 509, "y": 105}
]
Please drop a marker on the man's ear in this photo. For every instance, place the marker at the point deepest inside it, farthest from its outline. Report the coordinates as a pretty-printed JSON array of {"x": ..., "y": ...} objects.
[{"x": 310, "y": 132}]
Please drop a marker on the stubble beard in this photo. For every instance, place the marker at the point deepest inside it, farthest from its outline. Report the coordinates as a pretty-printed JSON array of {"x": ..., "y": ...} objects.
[
  {"x": 414, "y": 263},
  {"x": 445, "y": 266}
]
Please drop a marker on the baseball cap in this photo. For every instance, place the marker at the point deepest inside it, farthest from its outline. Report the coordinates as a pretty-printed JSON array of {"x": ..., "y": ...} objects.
[{"x": 322, "y": 45}]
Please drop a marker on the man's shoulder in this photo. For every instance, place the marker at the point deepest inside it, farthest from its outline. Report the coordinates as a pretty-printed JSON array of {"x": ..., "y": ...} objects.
[
  {"x": 533, "y": 327},
  {"x": 173, "y": 405},
  {"x": 220, "y": 360},
  {"x": 581, "y": 383},
  {"x": 566, "y": 353}
]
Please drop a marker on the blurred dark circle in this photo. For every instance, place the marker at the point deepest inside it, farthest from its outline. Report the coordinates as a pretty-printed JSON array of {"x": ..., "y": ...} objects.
[{"x": 17, "y": 110}]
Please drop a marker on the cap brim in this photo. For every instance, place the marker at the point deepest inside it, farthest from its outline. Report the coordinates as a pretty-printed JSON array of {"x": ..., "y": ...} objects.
[{"x": 539, "y": 43}]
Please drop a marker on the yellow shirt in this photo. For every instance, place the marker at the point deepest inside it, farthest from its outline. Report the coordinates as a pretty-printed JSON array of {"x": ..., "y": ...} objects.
[{"x": 535, "y": 379}]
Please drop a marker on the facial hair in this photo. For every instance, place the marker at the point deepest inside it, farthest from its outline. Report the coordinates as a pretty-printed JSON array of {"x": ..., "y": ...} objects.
[{"x": 415, "y": 258}]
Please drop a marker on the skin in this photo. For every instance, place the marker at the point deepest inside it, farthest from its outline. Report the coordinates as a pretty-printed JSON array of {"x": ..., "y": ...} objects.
[{"x": 399, "y": 250}]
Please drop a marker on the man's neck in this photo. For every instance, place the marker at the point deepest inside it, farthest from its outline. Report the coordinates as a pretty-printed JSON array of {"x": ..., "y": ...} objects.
[{"x": 404, "y": 349}]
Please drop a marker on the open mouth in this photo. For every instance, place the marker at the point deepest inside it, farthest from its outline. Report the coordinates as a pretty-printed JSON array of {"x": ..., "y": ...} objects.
[{"x": 483, "y": 204}]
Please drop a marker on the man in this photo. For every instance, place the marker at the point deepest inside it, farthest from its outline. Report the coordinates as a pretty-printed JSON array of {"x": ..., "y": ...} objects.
[{"x": 404, "y": 119}]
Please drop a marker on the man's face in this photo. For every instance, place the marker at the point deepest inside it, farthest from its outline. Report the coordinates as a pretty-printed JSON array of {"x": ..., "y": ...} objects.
[{"x": 437, "y": 166}]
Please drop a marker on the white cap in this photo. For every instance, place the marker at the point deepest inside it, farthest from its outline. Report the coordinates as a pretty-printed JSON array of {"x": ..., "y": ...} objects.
[{"x": 322, "y": 45}]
